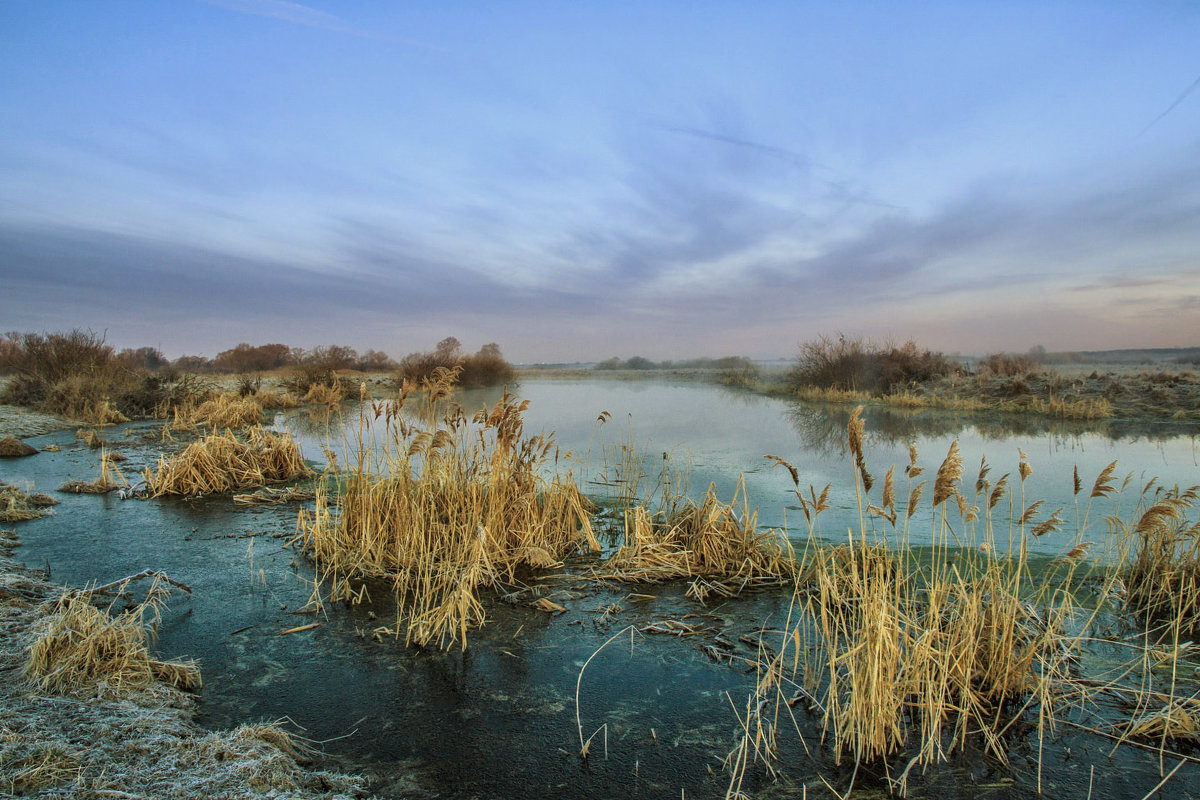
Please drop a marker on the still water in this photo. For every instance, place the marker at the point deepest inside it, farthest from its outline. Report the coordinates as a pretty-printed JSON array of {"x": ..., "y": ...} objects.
[{"x": 503, "y": 718}]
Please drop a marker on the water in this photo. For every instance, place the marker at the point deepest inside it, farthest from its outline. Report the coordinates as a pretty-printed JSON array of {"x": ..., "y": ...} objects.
[{"x": 499, "y": 720}]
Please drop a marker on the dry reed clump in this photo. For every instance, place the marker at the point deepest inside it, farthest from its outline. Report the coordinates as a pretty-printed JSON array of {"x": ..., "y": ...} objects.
[
  {"x": 91, "y": 438},
  {"x": 81, "y": 649},
  {"x": 713, "y": 543},
  {"x": 225, "y": 410},
  {"x": 325, "y": 393},
  {"x": 1163, "y": 580},
  {"x": 17, "y": 506},
  {"x": 110, "y": 478},
  {"x": 900, "y": 650},
  {"x": 12, "y": 447},
  {"x": 221, "y": 462},
  {"x": 444, "y": 506},
  {"x": 271, "y": 401}
]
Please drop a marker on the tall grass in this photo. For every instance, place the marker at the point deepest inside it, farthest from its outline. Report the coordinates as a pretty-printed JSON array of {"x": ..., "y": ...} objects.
[{"x": 444, "y": 505}]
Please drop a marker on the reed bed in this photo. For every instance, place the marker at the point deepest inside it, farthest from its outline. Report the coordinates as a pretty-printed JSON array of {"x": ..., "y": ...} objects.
[
  {"x": 444, "y": 506},
  {"x": 914, "y": 651},
  {"x": 223, "y": 462},
  {"x": 1084, "y": 408},
  {"x": 716, "y": 545}
]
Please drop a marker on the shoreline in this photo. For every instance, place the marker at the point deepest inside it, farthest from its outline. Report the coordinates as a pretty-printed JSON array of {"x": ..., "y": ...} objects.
[{"x": 139, "y": 743}]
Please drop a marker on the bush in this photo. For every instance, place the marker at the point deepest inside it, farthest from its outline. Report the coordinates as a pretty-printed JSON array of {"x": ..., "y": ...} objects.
[
  {"x": 1007, "y": 364},
  {"x": 857, "y": 365},
  {"x": 486, "y": 368}
]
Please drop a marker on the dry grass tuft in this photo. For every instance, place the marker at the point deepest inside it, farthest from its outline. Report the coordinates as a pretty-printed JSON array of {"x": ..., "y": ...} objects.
[
  {"x": 17, "y": 506},
  {"x": 443, "y": 507},
  {"x": 271, "y": 401},
  {"x": 327, "y": 394},
  {"x": 221, "y": 462},
  {"x": 110, "y": 478},
  {"x": 12, "y": 447},
  {"x": 715, "y": 544},
  {"x": 91, "y": 438},
  {"x": 82, "y": 649}
]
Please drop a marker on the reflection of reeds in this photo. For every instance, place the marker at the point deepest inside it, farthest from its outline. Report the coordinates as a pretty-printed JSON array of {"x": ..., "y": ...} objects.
[
  {"x": 221, "y": 462},
  {"x": 444, "y": 506}
]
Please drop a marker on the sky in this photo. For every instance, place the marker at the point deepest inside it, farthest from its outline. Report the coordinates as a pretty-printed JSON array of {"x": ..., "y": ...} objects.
[{"x": 577, "y": 180}]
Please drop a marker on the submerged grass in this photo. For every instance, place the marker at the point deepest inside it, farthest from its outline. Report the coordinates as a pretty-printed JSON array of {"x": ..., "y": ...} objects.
[{"x": 223, "y": 462}]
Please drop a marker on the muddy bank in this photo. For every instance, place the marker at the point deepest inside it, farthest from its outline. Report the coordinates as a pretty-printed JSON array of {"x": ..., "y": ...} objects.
[{"x": 134, "y": 744}]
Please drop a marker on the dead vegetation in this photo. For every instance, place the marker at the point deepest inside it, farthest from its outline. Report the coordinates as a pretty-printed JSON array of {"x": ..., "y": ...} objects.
[
  {"x": 442, "y": 507},
  {"x": 223, "y": 462},
  {"x": 912, "y": 654},
  {"x": 82, "y": 649},
  {"x": 715, "y": 545},
  {"x": 126, "y": 735},
  {"x": 12, "y": 447},
  {"x": 18, "y": 506},
  {"x": 111, "y": 478}
]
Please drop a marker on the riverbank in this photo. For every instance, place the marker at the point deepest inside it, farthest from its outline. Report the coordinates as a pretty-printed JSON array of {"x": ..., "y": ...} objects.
[
  {"x": 1080, "y": 392},
  {"x": 139, "y": 742}
]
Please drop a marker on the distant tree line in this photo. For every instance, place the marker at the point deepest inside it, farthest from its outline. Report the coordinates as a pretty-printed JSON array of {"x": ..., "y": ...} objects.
[
  {"x": 78, "y": 372},
  {"x": 640, "y": 363}
]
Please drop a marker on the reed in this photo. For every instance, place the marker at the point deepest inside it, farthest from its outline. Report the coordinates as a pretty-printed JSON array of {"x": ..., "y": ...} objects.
[
  {"x": 329, "y": 394},
  {"x": 223, "y": 462},
  {"x": 442, "y": 506},
  {"x": 111, "y": 477},
  {"x": 899, "y": 649},
  {"x": 1162, "y": 579}
]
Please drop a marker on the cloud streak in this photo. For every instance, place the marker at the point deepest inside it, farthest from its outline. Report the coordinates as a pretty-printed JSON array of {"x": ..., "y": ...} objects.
[{"x": 308, "y": 17}]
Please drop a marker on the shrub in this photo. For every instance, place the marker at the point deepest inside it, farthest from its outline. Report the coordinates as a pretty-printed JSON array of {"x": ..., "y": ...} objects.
[
  {"x": 858, "y": 365},
  {"x": 78, "y": 375},
  {"x": 485, "y": 368},
  {"x": 1008, "y": 364}
]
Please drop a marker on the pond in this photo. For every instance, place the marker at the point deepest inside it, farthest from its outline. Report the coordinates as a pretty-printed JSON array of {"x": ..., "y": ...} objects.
[{"x": 504, "y": 717}]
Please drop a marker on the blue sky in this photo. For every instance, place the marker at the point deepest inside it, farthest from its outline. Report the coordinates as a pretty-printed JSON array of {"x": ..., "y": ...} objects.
[{"x": 578, "y": 180}]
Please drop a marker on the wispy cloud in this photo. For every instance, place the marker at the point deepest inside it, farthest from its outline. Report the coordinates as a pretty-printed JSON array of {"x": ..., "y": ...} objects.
[{"x": 309, "y": 17}]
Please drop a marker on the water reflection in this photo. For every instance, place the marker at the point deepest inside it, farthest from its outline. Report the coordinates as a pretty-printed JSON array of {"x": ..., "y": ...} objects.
[{"x": 822, "y": 427}]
